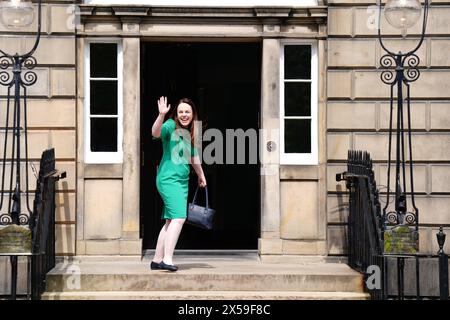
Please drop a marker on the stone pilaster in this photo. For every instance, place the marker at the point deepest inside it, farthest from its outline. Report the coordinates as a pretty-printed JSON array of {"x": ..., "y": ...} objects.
[
  {"x": 270, "y": 177},
  {"x": 131, "y": 143}
]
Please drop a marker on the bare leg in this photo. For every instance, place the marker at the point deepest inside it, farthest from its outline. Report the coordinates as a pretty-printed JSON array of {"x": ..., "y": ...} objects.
[
  {"x": 172, "y": 234},
  {"x": 159, "y": 251}
]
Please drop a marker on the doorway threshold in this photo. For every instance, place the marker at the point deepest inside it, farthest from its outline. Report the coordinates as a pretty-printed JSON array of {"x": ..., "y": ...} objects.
[{"x": 242, "y": 254}]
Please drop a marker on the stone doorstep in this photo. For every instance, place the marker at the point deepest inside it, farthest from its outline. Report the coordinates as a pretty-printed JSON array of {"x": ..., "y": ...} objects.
[
  {"x": 302, "y": 259},
  {"x": 204, "y": 295},
  {"x": 200, "y": 273},
  {"x": 178, "y": 256},
  {"x": 203, "y": 266},
  {"x": 236, "y": 255},
  {"x": 217, "y": 263}
]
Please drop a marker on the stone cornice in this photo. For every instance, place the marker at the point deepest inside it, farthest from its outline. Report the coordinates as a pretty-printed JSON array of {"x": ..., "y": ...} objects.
[{"x": 316, "y": 14}]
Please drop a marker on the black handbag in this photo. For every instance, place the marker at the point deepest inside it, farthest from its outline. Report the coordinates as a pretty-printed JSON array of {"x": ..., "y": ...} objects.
[{"x": 198, "y": 216}]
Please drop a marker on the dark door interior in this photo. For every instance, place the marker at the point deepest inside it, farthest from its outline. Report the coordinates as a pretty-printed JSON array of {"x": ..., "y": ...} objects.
[{"x": 223, "y": 80}]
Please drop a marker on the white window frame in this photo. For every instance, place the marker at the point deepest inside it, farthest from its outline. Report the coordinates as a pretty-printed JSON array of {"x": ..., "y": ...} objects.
[
  {"x": 103, "y": 157},
  {"x": 301, "y": 158}
]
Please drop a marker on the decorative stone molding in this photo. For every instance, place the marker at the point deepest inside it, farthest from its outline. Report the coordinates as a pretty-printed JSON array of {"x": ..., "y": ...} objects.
[
  {"x": 317, "y": 14},
  {"x": 261, "y": 22}
]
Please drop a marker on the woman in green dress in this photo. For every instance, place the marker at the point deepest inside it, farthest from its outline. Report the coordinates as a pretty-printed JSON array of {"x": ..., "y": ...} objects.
[{"x": 177, "y": 135}]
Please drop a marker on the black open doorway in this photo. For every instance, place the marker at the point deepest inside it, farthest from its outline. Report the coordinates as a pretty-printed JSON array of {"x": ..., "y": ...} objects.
[{"x": 223, "y": 80}]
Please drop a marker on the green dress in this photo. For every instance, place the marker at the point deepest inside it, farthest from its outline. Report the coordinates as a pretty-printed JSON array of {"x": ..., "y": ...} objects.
[{"x": 172, "y": 179}]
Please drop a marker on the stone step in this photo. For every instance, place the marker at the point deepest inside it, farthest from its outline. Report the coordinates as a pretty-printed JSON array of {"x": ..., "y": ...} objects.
[
  {"x": 200, "y": 274},
  {"x": 198, "y": 282},
  {"x": 202, "y": 295}
]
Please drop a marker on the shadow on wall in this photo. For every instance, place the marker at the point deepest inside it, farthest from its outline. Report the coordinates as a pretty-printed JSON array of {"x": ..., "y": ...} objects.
[
  {"x": 62, "y": 202},
  {"x": 63, "y": 212},
  {"x": 343, "y": 208}
]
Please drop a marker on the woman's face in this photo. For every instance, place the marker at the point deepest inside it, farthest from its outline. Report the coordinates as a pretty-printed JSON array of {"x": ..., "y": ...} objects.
[{"x": 184, "y": 114}]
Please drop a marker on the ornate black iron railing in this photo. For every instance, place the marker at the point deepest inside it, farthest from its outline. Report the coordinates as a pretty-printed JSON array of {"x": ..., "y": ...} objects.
[
  {"x": 364, "y": 240},
  {"x": 385, "y": 272},
  {"x": 42, "y": 223}
]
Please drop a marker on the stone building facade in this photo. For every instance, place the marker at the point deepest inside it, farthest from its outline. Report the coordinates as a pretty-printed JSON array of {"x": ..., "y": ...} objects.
[
  {"x": 302, "y": 208},
  {"x": 358, "y": 113}
]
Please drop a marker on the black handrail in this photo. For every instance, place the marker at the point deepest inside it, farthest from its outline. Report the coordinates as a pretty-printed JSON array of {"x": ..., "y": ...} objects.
[
  {"x": 365, "y": 237},
  {"x": 42, "y": 223}
]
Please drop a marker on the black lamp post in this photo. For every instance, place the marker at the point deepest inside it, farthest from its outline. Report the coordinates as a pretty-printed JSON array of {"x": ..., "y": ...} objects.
[
  {"x": 401, "y": 14},
  {"x": 16, "y": 14}
]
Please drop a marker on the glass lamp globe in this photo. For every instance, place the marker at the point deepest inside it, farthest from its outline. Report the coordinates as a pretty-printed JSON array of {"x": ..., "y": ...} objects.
[
  {"x": 16, "y": 14},
  {"x": 402, "y": 14}
]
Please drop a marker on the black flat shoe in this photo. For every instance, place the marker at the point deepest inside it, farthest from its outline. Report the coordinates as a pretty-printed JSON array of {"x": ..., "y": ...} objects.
[
  {"x": 155, "y": 266},
  {"x": 169, "y": 267}
]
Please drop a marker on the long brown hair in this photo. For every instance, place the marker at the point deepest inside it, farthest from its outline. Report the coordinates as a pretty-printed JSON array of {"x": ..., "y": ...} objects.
[{"x": 191, "y": 127}]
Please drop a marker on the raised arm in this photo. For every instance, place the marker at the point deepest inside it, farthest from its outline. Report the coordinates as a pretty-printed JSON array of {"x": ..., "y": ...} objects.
[{"x": 163, "y": 109}]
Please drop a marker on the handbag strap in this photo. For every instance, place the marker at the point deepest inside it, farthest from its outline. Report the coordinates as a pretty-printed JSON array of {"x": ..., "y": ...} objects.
[{"x": 195, "y": 196}]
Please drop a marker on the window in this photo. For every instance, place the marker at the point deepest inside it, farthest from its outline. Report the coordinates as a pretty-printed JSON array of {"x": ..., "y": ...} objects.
[
  {"x": 298, "y": 107},
  {"x": 103, "y": 102}
]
